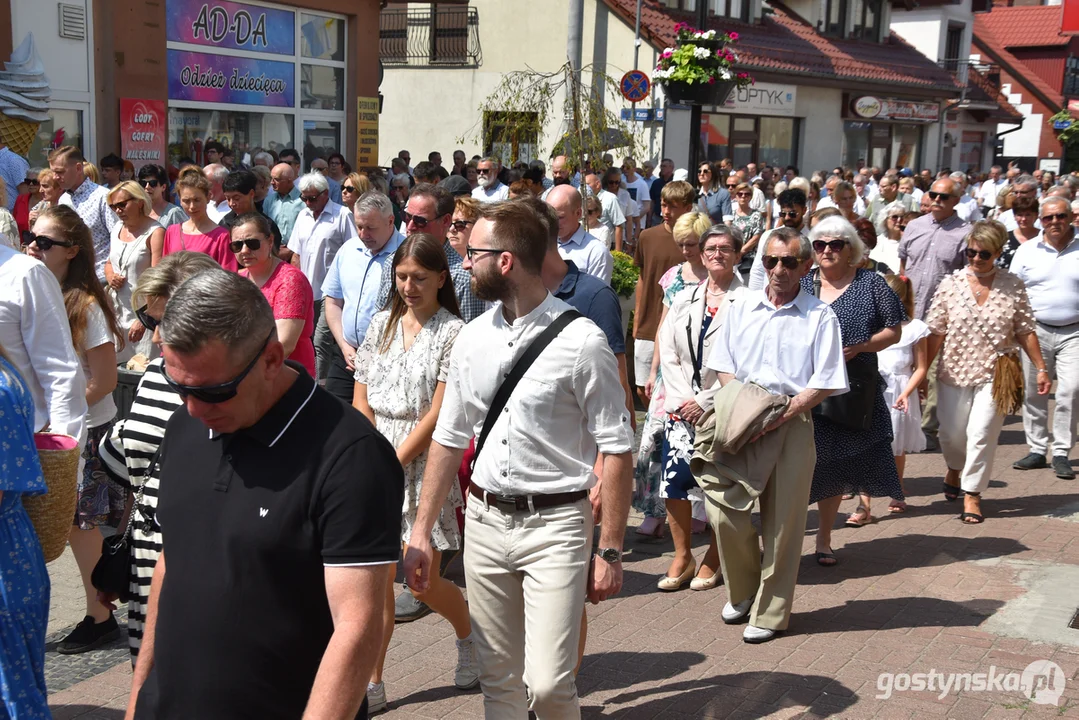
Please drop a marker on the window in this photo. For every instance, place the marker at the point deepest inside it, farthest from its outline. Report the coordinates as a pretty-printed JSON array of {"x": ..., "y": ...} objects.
[
  {"x": 64, "y": 127},
  {"x": 322, "y": 38},
  {"x": 746, "y": 138},
  {"x": 953, "y": 47},
  {"x": 835, "y": 17},
  {"x": 440, "y": 35},
  {"x": 867, "y": 19},
  {"x": 191, "y": 129},
  {"x": 511, "y": 136},
  {"x": 687, "y": 5},
  {"x": 322, "y": 87},
  {"x": 734, "y": 9}
]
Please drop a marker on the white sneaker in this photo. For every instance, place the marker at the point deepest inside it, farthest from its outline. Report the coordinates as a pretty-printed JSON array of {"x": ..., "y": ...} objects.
[
  {"x": 376, "y": 697},
  {"x": 754, "y": 634},
  {"x": 467, "y": 675},
  {"x": 737, "y": 613}
]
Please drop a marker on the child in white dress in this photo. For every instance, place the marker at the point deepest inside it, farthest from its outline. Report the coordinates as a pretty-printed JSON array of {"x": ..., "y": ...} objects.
[{"x": 904, "y": 367}]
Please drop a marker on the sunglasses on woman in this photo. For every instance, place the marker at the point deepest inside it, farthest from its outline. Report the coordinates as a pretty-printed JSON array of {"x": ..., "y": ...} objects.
[
  {"x": 980, "y": 254},
  {"x": 789, "y": 261},
  {"x": 835, "y": 246},
  {"x": 348, "y": 188},
  {"x": 148, "y": 321},
  {"x": 214, "y": 394},
  {"x": 32, "y": 182},
  {"x": 251, "y": 243},
  {"x": 44, "y": 242},
  {"x": 461, "y": 225}
]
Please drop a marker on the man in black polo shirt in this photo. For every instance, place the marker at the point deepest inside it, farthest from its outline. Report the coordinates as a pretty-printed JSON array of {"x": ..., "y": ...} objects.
[
  {"x": 280, "y": 515},
  {"x": 239, "y": 189}
]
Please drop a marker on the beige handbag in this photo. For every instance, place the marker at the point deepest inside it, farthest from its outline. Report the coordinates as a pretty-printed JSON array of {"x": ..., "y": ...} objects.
[{"x": 53, "y": 513}]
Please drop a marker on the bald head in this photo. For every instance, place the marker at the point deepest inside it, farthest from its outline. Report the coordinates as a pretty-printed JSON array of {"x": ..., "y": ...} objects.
[
  {"x": 565, "y": 200},
  {"x": 282, "y": 177},
  {"x": 560, "y": 170}
]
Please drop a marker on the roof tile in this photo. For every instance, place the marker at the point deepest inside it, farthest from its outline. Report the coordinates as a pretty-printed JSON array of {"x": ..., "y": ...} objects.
[{"x": 1023, "y": 26}]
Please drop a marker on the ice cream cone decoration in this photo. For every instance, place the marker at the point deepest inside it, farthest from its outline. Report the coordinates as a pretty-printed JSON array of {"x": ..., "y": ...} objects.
[{"x": 24, "y": 97}]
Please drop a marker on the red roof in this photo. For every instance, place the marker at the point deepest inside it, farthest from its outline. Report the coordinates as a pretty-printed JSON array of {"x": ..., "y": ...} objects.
[
  {"x": 990, "y": 45},
  {"x": 784, "y": 43},
  {"x": 1023, "y": 26}
]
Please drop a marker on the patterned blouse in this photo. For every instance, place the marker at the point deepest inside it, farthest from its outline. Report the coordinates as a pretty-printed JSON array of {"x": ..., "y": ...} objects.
[{"x": 975, "y": 335}]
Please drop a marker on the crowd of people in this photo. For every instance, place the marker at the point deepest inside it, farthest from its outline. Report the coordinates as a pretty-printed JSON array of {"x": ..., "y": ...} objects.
[{"x": 343, "y": 374}]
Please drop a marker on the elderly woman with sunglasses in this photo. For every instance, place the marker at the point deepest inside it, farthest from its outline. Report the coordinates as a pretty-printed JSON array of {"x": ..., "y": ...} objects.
[
  {"x": 28, "y": 198},
  {"x": 979, "y": 314},
  {"x": 685, "y": 338},
  {"x": 127, "y": 454},
  {"x": 466, "y": 210},
  {"x": 284, "y": 286},
  {"x": 887, "y": 248},
  {"x": 137, "y": 244},
  {"x": 854, "y": 436},
  {"x": 155, "y": 181}
]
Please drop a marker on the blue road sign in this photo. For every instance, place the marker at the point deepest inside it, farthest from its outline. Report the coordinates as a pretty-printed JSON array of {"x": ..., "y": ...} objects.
[{"x": 635, "y": 86}]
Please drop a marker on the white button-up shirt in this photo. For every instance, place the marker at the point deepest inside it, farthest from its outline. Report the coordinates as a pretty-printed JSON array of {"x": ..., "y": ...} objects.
[
  {"x": 568, "y": 407},
  {"x": 35, "y": 335},
  {"x": 987, "y": 193},
  {"x": 784, "y": 350},
  {"x": 589, "y": 254},
  {"x": 90, "y": 201},
  {"x": 317, "y": 241},
  {"x": 497, "y": 192},
  {"x": 1052, "y": 279}
]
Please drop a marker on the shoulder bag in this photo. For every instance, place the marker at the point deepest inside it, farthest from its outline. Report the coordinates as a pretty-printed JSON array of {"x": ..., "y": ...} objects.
[
  {"x": 853, "y": 409},
  {"x": 502, "y": 395}
]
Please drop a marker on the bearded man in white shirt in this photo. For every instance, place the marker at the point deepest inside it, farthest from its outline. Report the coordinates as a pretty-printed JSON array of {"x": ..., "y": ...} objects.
[
  {"x": 527, "y": 560},
  {"x": 796, "y": 351}
]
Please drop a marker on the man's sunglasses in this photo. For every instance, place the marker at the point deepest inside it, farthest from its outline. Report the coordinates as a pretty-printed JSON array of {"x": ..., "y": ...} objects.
[
  {"x": 461, "y": 225},
  {"x": 789, "y": 261},
  {"x": 148, "y": 321},
  {"x": 980, "y": 254},
  {"x": 251, "y": 243},
  {"x": 149, "y": 183},
  {"x": 732, "y": 186},
  {"x": 835, "y": 246},
  {"x": 789, "y": 214},
  {"x": 214, "y": 394},
  {"x": 483, "y": 172},
  {"x": 311, "y": 198},
  {"x": 348, "y": 188},
  {"x": 418, "y": 220},
  {"x": 939, "y": 195},
  {"x": 1056, "y": 216},
  {"x": 44, "y": 242}
]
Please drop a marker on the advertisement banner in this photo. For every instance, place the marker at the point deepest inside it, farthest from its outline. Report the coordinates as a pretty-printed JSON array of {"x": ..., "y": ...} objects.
[
  {"x": 143, "y": 131},
  {"x": 366, "y": 132},
  {"x": 762, "y": 99},
  {"x": 231, "y": 25},
  {"x": 202, "y": 77}
]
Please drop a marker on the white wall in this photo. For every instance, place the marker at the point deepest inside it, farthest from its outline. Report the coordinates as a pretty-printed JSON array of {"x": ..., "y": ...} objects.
[
  {"x": 927, "y": 28},
  {"x": 437, "y": 108},
  {"x": 1026, "y": 141},
  {"x": 820, "y": 144}
]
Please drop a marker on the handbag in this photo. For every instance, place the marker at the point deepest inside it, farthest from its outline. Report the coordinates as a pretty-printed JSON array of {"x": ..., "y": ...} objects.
[
  {"x": 853, "y": 409},
  {"x": 502, "y": 395},
  {"x": 1008, "y": 392},
  {"x": 52, "y": 513}
]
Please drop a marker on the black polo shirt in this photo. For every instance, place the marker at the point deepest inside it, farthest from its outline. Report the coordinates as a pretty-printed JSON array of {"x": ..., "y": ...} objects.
[
  {"x": 249, "y": 520},
  {"x": 229, "y": 221}
]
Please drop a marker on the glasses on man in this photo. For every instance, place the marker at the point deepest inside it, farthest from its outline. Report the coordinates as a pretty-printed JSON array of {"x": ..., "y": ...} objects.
[
  {"x": 980, "y": 254},
  {"x": 251, "y": 243},
  {"x": 149, "y": 183},
  {"x": 789, "y": 214},
  {"x": 44, "y": 242},
  {"x": 835, "y": 246},
  {"x": 309, "y": 199},
  {"x": 1057, "y": 217},
  {"x": 483, "y": 171},
  {"x": 418, "y": 220},
  {"x": 933, "y": 195},
  {"x": 214, "y": 394},
  {"x": 472, "y": 252},
  {"x": 788, "y": 261}
]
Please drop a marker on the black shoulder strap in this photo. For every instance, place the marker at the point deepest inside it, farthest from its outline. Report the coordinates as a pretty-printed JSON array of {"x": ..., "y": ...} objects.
[{"x": 517, "y": 372}]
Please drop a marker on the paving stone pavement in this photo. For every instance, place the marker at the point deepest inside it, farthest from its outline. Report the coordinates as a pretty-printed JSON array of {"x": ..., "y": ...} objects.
[{"x": 913, "y": 593}]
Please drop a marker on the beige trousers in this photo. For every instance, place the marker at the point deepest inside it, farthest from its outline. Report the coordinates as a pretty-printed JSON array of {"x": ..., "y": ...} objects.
[
  {"x": 969, "y": 432},
  {"x": 527, "y": 573},
  {"x": 783, "y": 508}
]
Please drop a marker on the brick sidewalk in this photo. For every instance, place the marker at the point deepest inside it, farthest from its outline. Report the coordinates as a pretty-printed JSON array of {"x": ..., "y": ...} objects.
[{"x": 912, "y": 593}]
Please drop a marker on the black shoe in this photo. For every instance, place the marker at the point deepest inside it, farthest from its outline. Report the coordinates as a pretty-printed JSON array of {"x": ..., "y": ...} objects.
[
  {"x": 407, "y": 608},
  {"x": 88, "y": 635},
  {"x": 1063, "y": 468},
  {"x": 1033, "y": 461}
]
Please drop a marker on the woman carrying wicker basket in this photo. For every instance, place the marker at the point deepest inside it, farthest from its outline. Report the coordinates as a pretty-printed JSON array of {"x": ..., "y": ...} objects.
[{"x": 980, "y": 315}]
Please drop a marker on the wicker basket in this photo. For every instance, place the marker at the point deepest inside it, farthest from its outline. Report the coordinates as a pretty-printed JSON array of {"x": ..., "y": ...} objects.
[{"x": 54, "y": 512}]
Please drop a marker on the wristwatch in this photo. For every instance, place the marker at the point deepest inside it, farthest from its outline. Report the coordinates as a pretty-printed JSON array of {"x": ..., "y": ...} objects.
[{"x": 611, "y": 555}]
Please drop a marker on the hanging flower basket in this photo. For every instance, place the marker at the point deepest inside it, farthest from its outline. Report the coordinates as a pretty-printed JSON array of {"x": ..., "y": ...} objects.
[{"x": 700, "y": 69}]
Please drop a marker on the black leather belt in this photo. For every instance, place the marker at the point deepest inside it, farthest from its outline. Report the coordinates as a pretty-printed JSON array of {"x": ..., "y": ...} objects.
[
  {"x": 520, "y": 503},
  {"x": 1057, "y": 327}
]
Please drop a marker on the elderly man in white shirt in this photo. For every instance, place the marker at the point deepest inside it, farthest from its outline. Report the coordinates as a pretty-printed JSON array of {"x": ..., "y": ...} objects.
[
  {"x": 574, "y": 243},
  {"x": 218, "y": 206},
  {"x": 1049, "y": 267},
  {"x": 967, "y": 208},
  {"x": 320, "y": 230},
  {"x": 796, "y": 351},
  {"x": 490, "y": 189},
  {"x": 990, "y": 187},
  {"x": 35, "y": 337},
  {"x": 529, "y": 518}
]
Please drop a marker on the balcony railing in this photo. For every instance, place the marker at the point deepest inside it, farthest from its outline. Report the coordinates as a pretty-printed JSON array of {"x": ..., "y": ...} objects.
[
  {"x": 980, "y": 82},
  {"x": 438, "y": 37}
]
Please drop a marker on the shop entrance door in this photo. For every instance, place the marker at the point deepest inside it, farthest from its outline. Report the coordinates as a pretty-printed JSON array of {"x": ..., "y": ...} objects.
[
  {"x": 880, "y": 142},
  {"x": 321, "y": 138},
  {"x": 744, "y": 141}
]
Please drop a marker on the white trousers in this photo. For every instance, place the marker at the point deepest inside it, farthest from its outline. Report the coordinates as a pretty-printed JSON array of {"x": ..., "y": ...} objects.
[
  {"x": 527, "y": 574},
  {"x": 1060, "y": 350},
  {"x": 969, "y": 430}
]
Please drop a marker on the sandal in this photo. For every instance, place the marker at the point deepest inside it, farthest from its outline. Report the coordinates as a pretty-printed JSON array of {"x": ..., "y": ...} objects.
[
  {"x": 859, "y": 518},
  {"x": 897, "y": 507},
  {"x": 951, "y": 492},
  {"x": 827, "y": 559},
  {"x": 651, "y": 527},
  {"x": 970, "y": 518}
]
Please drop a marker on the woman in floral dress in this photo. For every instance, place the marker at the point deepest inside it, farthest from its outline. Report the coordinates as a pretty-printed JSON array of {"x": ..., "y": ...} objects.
[{"x": 401, "y": 370}]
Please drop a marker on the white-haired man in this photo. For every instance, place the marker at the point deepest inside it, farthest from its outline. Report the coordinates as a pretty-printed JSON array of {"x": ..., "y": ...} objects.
[
  {"x": 490, "y": 189},
  {"x": 967, "y": 208},
  {"x": 218, "y": 206},
  {"x": 321, "y": 228}
]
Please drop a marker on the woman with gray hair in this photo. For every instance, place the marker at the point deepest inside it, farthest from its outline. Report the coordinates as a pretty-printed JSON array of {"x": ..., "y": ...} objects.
[
  {"x": 887, "y": 249},
  {"x": 128, "y": 453},
  {"x": 853, "y": 431}
]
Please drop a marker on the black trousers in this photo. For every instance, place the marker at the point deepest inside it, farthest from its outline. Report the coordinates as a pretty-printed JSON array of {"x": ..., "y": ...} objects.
[{"x": 340, "y": 381}]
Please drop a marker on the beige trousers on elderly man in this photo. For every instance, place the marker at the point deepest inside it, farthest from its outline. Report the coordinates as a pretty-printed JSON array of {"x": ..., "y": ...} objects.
[{"x": 784, "y": 504}]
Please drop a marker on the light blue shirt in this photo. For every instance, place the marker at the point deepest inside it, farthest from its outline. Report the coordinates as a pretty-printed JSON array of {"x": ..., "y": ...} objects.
[
  {"x": 13, "y": 168},
  {"x": 335, "y": 189},
  {"x": 354, "y": 277},
  {"x": 283, "y": 209},
  {"x": 589, "y": 254}
]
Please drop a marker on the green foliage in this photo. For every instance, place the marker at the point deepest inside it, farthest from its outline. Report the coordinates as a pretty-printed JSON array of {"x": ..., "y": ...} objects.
[
  {"x": 700, "y": 57},
  {"x": 624, "y": 278},
  {"x": 1070, "y": 135}
]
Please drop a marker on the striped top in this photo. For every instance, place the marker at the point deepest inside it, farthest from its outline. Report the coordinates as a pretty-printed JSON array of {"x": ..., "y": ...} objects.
[{"x": 126, "y": 455}]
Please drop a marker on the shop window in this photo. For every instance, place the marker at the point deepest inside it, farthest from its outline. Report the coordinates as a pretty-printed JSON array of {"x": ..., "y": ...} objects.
[
  {"x": 745, "y": 139},
  {"x": 63, "y": 127},
  {"x": 322, "y": 87},
  {"x": 776, "y": 144},
  {"x": 905, "y": 142},
  {"x": 835, "y": 17},
  {"x": 511, "y": 136},
  {"x": 855, "y": 143},
  {"x": 244, "y": 132},
  {"x": 322, "y": 38},
  {"x": 867, "y": 19},
  {"x": 320, "y": 140},
  {"x": 717, "y": 136}
]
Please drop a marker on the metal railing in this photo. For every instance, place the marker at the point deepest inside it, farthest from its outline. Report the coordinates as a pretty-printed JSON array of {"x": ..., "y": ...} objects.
[
  {"x": 447, "y": 36},
  {"x": 979, "y": 81}
]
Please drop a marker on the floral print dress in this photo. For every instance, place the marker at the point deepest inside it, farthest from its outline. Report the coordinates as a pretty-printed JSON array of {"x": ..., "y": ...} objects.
[{"x": 401, "y": 386}]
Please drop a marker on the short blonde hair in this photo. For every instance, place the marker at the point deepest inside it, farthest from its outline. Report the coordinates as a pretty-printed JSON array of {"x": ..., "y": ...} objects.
[
  {"x": 135, "y": 190},
  {"x": 468, "y": 207},
  {"x": 693, "y": 224},
  {"x": 91, "y": 173},
  {"x": 359, "y": 181},
  {"x": 990, "y": 234}
]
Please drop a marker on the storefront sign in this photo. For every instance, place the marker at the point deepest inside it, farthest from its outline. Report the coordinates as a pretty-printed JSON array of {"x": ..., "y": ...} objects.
[
  {"x": 231, "y": 25},
  {"x": 366, "y": 132},
  {"x": 875, "y": 108},
  {"x": 762, "y": 99},
  {"x": 142, "y": 131},
  {"x": 202, "y": 77}
]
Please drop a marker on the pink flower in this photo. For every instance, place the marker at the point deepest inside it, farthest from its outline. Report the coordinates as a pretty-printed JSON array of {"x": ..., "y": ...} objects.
[
  {"x": 711, "y": 81},
  {"x": 733, "y": 36},
  {"x": 666, "y": 54}
]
